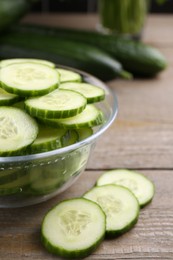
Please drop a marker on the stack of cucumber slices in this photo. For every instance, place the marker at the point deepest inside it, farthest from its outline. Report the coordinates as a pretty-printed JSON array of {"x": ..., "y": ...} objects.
[
  {"x": 75, "y": 227},
  {"x": 40, "y": 104}
]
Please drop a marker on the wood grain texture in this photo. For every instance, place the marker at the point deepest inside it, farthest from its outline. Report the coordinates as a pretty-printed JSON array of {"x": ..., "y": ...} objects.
[
  {"x": 158, "y": 30},
  {"x": 64, "y": 20},
  {"x": 151, "y": 238},
  {"x": 140, "y": 138}
]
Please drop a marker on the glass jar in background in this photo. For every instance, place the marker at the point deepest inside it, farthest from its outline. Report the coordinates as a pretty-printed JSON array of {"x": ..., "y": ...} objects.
[{"x": 125, "y": 17}]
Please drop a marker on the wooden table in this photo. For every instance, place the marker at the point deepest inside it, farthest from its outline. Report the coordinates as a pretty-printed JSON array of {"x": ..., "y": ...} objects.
[{"x": 141, "y": 138}]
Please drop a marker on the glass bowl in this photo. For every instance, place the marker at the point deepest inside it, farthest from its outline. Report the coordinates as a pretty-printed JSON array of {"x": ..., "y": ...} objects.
[{"x": 31, "y": 179}]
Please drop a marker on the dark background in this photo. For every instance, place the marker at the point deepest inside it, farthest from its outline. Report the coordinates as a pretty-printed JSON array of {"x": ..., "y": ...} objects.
[{"x": 84, "y": 6}]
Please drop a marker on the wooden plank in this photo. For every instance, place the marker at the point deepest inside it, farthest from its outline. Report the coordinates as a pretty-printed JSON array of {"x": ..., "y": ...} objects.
[
  {"x": 141, "y": 137},
  {"x": 63, "y": 20},
  {"x": 136, "y": 145},
  {"x": 158, "y": 29},
  {"x": 152, "y": 237}
]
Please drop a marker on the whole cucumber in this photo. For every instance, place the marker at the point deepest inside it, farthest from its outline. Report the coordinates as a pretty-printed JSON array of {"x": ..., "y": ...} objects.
[
  {"x": 11, "y": 11},
  {"x": 62, "y": 51},
  {"x": 137, "y": 57}
]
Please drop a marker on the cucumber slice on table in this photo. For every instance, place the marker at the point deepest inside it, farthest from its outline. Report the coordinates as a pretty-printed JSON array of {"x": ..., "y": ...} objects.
[
  {"x": 120, "y": 206},
  {"x": 90, "y": 117},
  {"x": 57, "y": 104},
  {"x": 7, "y": 99},
  {"x": 91, "y": 92},
  {"x": 73, "y": 228},
  {"x": 68, "y": 75},
  {"x": 48, "y": 138},
  {"x": 29, "y": 79},
  {"x": 17, "y": 130},
  {"x": 140, "y": 185},
  {"x": 4, "y": 63}
]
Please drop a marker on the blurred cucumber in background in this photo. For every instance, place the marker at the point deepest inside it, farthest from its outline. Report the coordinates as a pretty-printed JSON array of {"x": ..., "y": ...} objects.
[
  {"x": 105, "y": 56},
  {"x": 126, "y": 17},
  {"x": 12, "y": 10}
]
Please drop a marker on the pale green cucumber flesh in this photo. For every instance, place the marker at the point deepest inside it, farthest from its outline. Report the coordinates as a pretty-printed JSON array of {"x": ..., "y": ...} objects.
[
  {"x": 92, "y": 93},
  {"x": 67, "y": 228},
  {"x": 6, "y": 62},
  {"x": 69, "y": 76},
  {"x": 120, "y": 206},
  {"x": 29, "y": 79},
  {"x": 48, "y": 138},
  {"x": 7, "y": 99},
  {"x": 89, "y": 117},
  {"x": 57, "y": 104},
  {"x": 20, "y": 105},
  {"x": 140, "y": 185},
  {"x": 17, "y": 130}
]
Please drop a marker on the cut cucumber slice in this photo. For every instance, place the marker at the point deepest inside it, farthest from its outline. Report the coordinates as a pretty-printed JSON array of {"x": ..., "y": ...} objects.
[
  {"x": 120, "y": 206},
  {"x": 44, "y": 186},
  {"x": 4, "y": 63},
  {"x": 68, "y": 75},
  {"x": 15, "y": 186},
  {"x": 73, "y": 228},
  {"x": 70, "y": 138},
  {"x": 45, "y": 180},
  {"x": 84, "y": 133},
  {"x": 57, "y": 104},
  {"x": 29, "y": 79},
  {"x": 140, "y": 185},
  {"x": 48, "y": 138},
  {"x": 17, "y": 130},
  {"x": 7, "y": 99},
  {"x": 92, "y": 93},
  {"x": 20, "y": 105},
  {"x": 90, "y": 117},
  {"x": 8, "y": 175},
  {"x": 52, "y": 176}
]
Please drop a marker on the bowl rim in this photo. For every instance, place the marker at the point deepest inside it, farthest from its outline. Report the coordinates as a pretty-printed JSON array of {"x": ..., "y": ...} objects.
[{"x": 88, "y": 140}]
